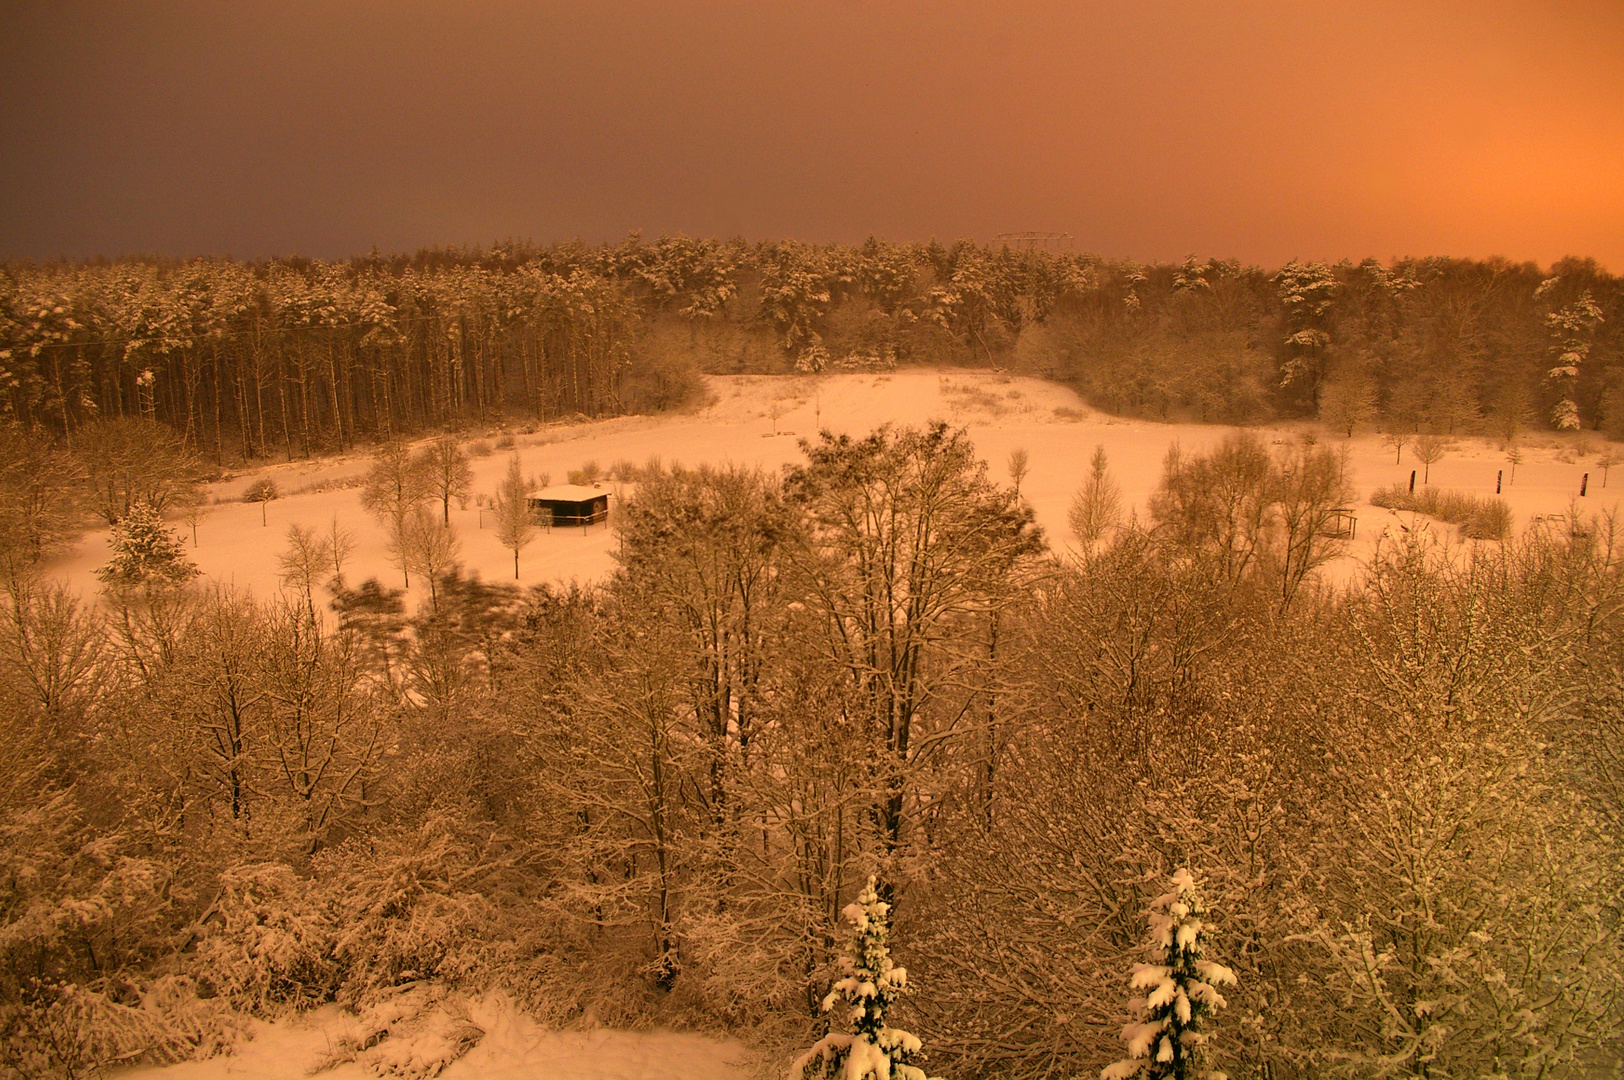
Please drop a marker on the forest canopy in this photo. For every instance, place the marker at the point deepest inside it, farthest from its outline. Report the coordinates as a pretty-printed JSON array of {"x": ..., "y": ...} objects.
[
  {"x": 292, "y": 356},
  {"x": 648, "y": 801}
]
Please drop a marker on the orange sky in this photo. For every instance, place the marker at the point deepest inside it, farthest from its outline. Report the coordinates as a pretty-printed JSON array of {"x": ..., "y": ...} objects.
[{"x": 1145, "y": 128}]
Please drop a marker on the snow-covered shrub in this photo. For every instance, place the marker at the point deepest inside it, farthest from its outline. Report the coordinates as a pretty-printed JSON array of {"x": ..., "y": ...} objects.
[
  {"x": 373, "y": 915},
  {"x": 272, "y": 943},
  {"x": 80, "y": 917},
  {"x": 414, "y": 1033},
  {"x": 870, "y": 986},
  {"x": 1470, "y": 924},
  {"x": 74, "y": 905},
  {"x": 1480, "y": 517},
  {"x": 1167, "y": 1040},
  {"x": 756, "y": 964},
  {"x": 69, "y": 1028},
  {"x": 405, "y": 907}
]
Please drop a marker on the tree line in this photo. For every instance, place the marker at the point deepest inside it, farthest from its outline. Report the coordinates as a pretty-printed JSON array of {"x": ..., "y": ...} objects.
[
  {"x": 292, "y": 356},
  {"x": 652, "y": 799}
]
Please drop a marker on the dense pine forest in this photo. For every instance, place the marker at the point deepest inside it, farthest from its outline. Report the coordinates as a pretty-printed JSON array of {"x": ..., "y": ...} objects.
[{"x": 294, "y": 357}]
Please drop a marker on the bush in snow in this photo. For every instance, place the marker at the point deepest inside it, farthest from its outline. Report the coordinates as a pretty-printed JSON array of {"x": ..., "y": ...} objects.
[
  {"x": 872, "y": 983},
  {"x": 82, "y": 918},
  {"x": 71, "y": 1029},
  {"x": 271, "y": 941},
  {"x": 397, "y": 908},
  {"x": 1166, "y": 1040},
  {"x": 413, "y": 1033},
  {"x": 408, "y": 906}
]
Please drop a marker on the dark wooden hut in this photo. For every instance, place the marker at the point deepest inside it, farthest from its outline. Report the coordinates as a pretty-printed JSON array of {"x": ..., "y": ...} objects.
[{"x": 569, "y": 504}]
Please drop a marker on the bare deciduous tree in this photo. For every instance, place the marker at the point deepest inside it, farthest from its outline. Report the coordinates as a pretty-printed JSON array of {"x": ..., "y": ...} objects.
[
  {"x": 1430, "y": 449},
  {"x": 1020, "y": 463},
  {"x": 1311, "y": 486},
  {"x": 430, "y": 548},
  {"x": 1097, "y": 506},
  {"x": 394, "y": 484},
  {"x": 1396, "y": 440},
  {"x": 515, "y": 523},
  {"x": 303, "y": 564},
  {"x": 129, "y": 460},
  {"x": 40, "y": 495},
  {"x": 449, "y": 474},
  {"x": 340, "y": 544},
  {"x": 1349, "y": 399},
  {"x": 909, "y": 537}
]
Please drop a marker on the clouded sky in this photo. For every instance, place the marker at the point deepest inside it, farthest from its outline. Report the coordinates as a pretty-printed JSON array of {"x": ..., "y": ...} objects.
[{"x": 1145, "y": 128}]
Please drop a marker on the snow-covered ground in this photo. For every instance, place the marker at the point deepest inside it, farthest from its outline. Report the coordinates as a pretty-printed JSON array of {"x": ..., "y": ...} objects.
[
  {"x": 757, "y": 420},
  {"x": 511, "y": 1046}
]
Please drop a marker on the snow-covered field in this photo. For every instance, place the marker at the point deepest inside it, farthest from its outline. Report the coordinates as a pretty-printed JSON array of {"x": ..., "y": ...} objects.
[
  {"x": 757, "y": 420},
  {"x": 512, "y": 1046}
]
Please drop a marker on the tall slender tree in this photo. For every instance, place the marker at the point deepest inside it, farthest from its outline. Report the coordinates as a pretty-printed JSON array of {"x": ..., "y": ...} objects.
[{"x": 515, "y": 521}]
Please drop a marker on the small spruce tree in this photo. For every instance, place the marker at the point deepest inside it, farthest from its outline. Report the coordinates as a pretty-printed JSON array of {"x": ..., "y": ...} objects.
[
  {"x": 1166, "y": 1041},
  {"x": 145, "y": 553},
  {"x": 871, "y": 984}
]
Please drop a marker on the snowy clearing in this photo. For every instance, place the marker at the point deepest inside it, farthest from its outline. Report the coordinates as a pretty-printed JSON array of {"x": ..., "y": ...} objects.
[{"x": 758, "y": 420}]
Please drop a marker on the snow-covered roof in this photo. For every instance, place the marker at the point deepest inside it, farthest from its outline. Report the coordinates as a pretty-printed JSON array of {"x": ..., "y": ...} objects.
[{"x": 568, "y": 493}]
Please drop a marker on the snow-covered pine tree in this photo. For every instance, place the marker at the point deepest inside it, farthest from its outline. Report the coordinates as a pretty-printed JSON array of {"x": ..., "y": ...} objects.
[
  {"x": 1572, "y": 329},
  {"x": 145, "y": 553},
  {"x": 1166, "y": 1042},
  {"x": 870, "y": 985}
]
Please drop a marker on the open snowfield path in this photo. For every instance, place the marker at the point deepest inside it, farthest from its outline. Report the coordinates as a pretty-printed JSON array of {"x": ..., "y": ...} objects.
[{"x": 513, "y": 1046}]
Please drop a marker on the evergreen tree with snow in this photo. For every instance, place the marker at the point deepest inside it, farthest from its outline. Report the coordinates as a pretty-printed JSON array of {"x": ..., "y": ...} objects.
[
  {"x": 870, "y": 1050},
  {"x": 146, "y": 555},
  {"x": 1572, "y": 329},
  {"x": 1166, "y": 1041},
  {"x": 1306, "y": 293}
]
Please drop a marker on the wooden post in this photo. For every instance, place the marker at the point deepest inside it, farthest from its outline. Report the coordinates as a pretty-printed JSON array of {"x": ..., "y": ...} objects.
[
  {"x": 1584, "y": 483},
  {"x": 1498, "y": 476},
  {"x": 1412, "y": 481}
]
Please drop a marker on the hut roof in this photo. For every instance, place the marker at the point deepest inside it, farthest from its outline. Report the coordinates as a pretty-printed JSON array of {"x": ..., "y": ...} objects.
[{"x": 575, "y": 493}]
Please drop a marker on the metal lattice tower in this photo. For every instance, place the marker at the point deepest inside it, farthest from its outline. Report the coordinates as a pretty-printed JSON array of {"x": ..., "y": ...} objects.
[{"x": 1029, "y": 241}]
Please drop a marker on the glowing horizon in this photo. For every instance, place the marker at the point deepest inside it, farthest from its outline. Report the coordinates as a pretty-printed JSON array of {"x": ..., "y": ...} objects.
[{"x": 1257, "y": 131}]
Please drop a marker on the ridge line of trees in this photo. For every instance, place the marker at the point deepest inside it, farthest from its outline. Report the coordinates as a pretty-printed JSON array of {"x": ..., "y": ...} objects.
[{"x": 251, "y": 360}]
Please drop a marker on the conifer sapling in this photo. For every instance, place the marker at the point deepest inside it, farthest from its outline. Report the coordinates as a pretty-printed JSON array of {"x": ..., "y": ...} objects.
[
  {"x": 1166, "y": 1041},
  {"x": 870, "y": 985},
  {"x": 145, "y": 553}
]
